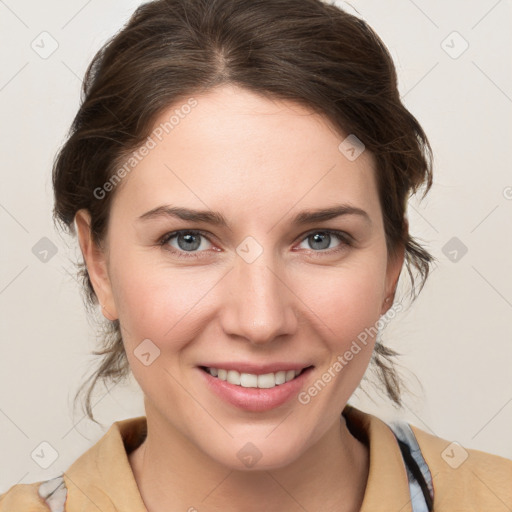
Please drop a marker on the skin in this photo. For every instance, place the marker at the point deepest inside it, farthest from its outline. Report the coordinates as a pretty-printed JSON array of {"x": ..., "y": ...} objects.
[{"x": 259, "y": 162}]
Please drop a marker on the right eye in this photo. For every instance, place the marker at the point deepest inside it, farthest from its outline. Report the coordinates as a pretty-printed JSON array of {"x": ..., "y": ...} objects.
[{"x": 188, "y": 241}]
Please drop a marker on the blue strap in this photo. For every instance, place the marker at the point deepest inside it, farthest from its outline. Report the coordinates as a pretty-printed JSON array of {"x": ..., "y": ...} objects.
[{"x": 420, "y": 480}]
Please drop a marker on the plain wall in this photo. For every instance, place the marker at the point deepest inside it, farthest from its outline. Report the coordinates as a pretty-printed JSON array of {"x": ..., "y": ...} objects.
[{"x": 456, "y": 338}]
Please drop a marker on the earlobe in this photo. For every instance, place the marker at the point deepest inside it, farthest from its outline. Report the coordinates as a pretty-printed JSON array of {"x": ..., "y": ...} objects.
[
  {"x": 106, "y": 313},
  {"x": 95, "y": 261}
]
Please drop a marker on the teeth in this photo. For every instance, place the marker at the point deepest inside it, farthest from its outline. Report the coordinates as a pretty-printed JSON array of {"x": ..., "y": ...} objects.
[
  {"x": 233, "y": 377},
  {"x": 280, "y": 377},
  {"x": 250, "y": 380}
]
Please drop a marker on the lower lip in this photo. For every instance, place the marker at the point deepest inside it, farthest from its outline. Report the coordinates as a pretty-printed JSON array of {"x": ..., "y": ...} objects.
[{"x": 255, "y": 399}]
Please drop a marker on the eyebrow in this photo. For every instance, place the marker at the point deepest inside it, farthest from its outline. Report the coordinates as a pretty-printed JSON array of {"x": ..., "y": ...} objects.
[{"x": 217, "y": 219}]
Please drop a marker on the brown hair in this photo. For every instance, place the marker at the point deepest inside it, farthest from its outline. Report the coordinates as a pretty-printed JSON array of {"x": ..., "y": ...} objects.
[{"x": 306, "y": 51}]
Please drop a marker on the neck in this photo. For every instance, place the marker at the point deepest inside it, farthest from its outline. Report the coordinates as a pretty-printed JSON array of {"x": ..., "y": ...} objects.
[{"x": 331, "y": 476}]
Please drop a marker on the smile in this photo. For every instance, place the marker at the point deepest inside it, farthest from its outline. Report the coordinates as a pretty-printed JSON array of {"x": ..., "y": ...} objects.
[
  {"x": 251, "y": 380},
  {"x": 255, "y": 388}
]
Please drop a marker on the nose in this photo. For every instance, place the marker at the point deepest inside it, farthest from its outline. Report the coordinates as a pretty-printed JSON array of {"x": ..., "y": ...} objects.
[{"x": 260, "y": 306}]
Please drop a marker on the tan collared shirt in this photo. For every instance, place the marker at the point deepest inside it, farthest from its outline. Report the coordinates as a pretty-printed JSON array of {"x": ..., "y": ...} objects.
[{"x": 102, "y": 478}]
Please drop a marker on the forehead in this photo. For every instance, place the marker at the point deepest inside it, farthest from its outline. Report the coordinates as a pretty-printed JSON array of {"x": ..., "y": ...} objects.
[{"x": 237, "y": 151}]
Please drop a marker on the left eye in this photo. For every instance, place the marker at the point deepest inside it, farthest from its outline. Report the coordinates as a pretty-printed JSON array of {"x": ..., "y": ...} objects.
[{"x": 321, "y": 240}]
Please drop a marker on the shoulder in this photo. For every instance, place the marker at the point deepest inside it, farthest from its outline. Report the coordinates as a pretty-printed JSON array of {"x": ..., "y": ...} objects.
[
  {"x": 464, "y": 478},
  {"x": 42, "y": 496},
  {"x": 23, "y": 497}
]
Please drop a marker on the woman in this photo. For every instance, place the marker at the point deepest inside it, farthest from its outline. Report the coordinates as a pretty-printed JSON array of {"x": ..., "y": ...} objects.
[{"x": 237, "y": 177}]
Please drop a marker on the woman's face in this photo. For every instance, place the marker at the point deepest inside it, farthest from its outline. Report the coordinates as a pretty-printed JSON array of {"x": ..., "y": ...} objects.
[{"x": 270, "y": 291}]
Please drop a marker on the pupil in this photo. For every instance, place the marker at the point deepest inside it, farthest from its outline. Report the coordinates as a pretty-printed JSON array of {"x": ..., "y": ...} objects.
[
  {"x": 189, "y": 240},
  {"x": 323, "y": 239}
]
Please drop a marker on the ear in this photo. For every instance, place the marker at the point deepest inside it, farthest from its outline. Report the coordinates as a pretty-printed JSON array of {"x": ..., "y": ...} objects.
[
  {"x": 96, "y": 262},
  {"x": 394, "y": 268}
]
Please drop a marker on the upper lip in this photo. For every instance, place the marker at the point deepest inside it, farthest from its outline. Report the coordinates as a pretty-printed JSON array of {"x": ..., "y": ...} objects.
[{"x": 256, "y": 369}]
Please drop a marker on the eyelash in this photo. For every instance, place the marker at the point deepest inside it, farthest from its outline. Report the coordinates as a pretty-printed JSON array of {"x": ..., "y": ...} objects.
[{"x": 343, "y": 237}]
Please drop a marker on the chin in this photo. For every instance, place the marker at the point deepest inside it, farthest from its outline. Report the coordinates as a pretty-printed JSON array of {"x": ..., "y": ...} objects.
[{"x": 256, "y": 453}]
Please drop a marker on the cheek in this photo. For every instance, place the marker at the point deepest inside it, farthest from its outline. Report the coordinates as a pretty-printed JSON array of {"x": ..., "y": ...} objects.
[
  {"x": 158, "y": 302},
  {"x": 347, "y": 299}
]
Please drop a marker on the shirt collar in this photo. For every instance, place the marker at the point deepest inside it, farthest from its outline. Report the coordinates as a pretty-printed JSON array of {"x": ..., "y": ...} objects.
[
  {"x": 387, "y": 487},
  {"x": 102, "y": 478}
]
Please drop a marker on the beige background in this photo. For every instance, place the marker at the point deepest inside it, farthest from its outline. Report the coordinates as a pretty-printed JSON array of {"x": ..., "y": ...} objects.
[{"x": 457, "y": 338}]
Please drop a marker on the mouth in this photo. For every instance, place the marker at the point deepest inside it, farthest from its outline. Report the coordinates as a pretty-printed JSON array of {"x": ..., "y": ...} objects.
[
  {"x": 252, "y": 380},
  {"x": 255, "y": 389}
]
